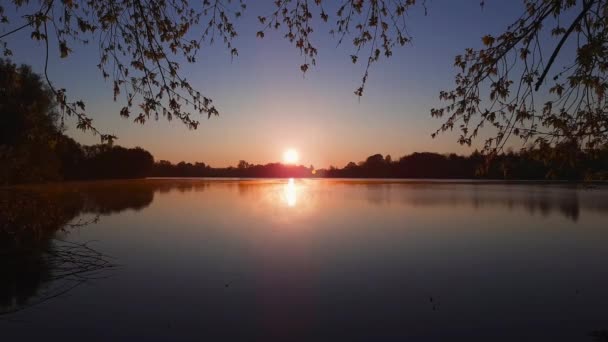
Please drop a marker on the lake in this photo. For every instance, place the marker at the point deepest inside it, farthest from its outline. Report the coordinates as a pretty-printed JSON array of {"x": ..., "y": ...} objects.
[{"x": 280, "y": 260}]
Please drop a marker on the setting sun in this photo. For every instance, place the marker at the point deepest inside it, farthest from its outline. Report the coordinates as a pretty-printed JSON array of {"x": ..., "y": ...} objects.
[{"x": 290, "y": 156}]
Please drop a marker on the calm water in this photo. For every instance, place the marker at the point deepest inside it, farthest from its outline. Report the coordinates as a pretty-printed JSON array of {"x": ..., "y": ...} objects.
[{"x": 308, "y": 260}]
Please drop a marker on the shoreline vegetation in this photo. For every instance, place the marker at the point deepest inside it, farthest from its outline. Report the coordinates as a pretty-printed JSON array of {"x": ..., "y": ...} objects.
[
  {"x": 526, "y": 165},
  {"x": 71, "y": 161},
  {"x": 35, "y": 149}
]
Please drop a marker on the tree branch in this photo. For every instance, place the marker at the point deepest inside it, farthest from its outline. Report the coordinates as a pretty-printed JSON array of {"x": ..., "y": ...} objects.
[{"x": 586, "y": 8}]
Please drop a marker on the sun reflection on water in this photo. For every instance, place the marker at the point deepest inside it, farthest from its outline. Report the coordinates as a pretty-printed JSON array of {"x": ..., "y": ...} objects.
[
  {"x": 290, "y": 193},
  {"x": 285, "y": 201}
]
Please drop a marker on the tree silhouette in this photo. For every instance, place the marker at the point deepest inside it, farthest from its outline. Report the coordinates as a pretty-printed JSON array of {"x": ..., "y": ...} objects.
[
  {"x": 33, "y": 148},
  {"x": 499, "y": 85},
  {"x": 112, "y": 162},
  {"x": 138, "y": 42},
  {"x": 243, "y": 164},
  {"x": 29, "y": 129}
]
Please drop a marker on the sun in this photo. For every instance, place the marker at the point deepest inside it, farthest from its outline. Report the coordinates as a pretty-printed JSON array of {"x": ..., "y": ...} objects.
[{"x": 290, "y": 156}]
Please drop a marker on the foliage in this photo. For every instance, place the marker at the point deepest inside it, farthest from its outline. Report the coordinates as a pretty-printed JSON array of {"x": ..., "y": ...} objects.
[
  {"x": 378, "y": 25},
  {"x": 138, "y": 43},
  {"x": 28, "y": 127},
  {"x": 32, "y": 147},
  {"x": 503, "y": 85},
  {"x": 498, "y": 85},
  {"x": 112, "y": 162}
]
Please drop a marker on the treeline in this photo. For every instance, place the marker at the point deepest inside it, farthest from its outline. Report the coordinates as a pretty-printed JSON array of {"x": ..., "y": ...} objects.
[
  {"x": 33, "y": 149},
  {"x": 64, "y": 159},
  {"x": 528, "y": 165},
  {"x": 105, "y": 162},
  {"x": 165, "y": 168}
]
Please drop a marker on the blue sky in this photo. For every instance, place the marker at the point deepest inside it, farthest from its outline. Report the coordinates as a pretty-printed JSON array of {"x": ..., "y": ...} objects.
[{"x": 267, "y": 105}]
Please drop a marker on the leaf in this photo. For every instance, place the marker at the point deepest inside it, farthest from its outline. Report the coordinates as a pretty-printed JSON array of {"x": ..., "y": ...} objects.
[
  {"x": 63, "y": 49},
  {"x": 488, "y": 40},
  {"x": 324, "y": 16}
]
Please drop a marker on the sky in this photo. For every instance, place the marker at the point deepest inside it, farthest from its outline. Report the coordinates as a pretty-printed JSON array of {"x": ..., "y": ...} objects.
[{"x": 267, "y": 105}]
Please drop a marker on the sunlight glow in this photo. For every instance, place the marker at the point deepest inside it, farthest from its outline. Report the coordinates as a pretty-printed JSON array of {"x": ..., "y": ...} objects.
[
  {"x": 290, "y": 156},
  {"x": 290, "y": 193}
]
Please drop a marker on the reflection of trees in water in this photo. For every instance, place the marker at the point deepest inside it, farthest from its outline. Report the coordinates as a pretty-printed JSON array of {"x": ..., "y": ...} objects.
[
  {"x": 567, "y": 200},
  {"x": 252, "y": 187},
  {"x": 378, "y": 193},
  {"x": 543, "y": 199},
  {"x": 36, "y": 264},
  {"x": 534, "y": 199},
  {"x": 182, "y": 185},
  {"x": 34, "y": 276}
]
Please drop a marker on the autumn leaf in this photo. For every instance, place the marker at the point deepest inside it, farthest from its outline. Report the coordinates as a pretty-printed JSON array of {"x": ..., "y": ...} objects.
[{"x": 488, "y": 40}]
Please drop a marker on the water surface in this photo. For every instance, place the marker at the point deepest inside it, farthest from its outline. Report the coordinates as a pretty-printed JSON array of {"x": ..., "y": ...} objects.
[{"x": 309, "y": 260}]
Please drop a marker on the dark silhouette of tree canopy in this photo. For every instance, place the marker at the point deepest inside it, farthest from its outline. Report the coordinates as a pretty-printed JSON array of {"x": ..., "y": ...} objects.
[
  {"x": 112, "y": 162},
  {"x": 524, "y": 165},
  {"x": 503, "y": 85},
  {"x": 28, "y": 127},
  {"x": 33, "y": 148}
]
